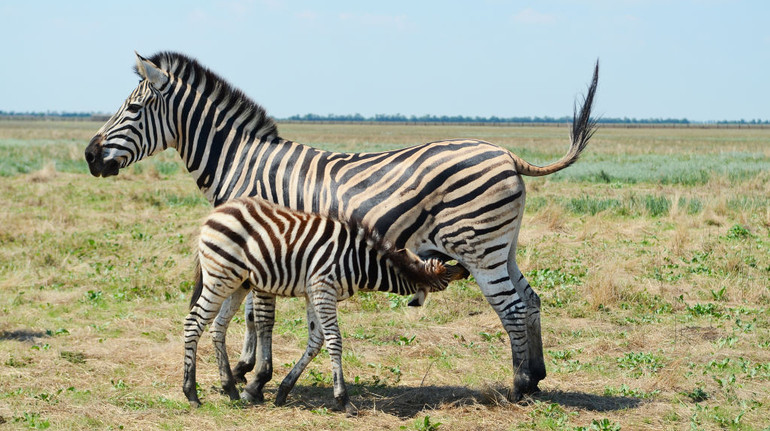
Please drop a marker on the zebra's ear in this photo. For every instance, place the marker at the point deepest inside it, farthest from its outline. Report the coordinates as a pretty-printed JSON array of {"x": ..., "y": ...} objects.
[{"x": 149, "y": 71}]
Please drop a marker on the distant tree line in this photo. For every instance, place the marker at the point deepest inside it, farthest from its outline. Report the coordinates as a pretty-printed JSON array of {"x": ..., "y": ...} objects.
[
  {"x": 46, "y": 114},
  {"x": 400, "y": 118}
]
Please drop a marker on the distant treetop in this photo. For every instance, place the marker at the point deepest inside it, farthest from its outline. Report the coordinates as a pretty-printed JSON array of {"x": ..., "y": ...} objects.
[{"x": 400, "y": 118}]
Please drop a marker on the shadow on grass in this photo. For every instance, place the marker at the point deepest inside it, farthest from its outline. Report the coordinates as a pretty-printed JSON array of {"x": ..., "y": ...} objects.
[
  {"x": 26, "y": 335},
  {"x": 585, "y": 401},
  {"x": 409, "y": 402}
]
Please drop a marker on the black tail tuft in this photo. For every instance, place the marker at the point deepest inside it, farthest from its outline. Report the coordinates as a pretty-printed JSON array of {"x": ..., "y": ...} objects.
[
  {"x": 583, "y": 127},
  {"x": 198, "y": 285}
]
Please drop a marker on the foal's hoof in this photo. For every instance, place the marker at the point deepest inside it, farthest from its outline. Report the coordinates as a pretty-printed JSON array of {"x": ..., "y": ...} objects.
[
  {"x": 239, "y": 371},
  {"x": 250, "y": 398}
]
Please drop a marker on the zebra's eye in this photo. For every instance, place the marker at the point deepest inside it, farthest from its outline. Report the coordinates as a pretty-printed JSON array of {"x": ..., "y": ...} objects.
[{"x": 133, "y": 107}]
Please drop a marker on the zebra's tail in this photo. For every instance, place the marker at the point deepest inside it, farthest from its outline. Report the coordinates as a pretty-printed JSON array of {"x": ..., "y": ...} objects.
[
  {"x": 198, "y": 289},
  {"x": 583, "y": 127}
]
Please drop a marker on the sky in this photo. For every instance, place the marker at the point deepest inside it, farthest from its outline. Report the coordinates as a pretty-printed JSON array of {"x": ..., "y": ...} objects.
[{"x": 704, "y": 60}]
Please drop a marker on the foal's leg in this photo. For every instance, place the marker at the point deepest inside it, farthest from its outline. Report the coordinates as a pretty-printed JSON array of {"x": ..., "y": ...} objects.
[
  {"x": 324, "y": 301},
  {"x": 218, "y": 331},
  {"x": 315, "y": 340},
  {"x": 193, "y": 327},
  {"x": 201, "y": 314},
  {"x": 247, "y": 359},
  {"x": 263, "y": 317}
]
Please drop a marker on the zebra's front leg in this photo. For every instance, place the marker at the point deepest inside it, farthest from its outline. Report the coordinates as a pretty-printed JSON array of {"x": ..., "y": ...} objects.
[
  {"x": 218, "y": 330},
  {"x": 325, "y": 307},
  {"x": 315, "y": 340},
  {"x": 511, "y": 309},
  {"x": 263, "y": 318}
]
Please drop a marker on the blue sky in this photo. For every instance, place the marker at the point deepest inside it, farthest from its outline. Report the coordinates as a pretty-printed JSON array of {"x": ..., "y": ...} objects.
[{"x": 699, "y": 59}]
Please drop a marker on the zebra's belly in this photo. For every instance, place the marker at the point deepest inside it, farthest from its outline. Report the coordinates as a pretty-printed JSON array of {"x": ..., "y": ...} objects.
[{"x": 300, "y": 289}]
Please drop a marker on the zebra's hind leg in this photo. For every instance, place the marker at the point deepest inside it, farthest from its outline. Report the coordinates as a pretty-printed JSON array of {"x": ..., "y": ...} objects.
[
  {"x": 534, "y": 334},
  {"x": 315, "y": 340},
  {"x": 218, "y": 330},
  {"x": 263, "y": 317},
  {"x": 502, "y": 295}
]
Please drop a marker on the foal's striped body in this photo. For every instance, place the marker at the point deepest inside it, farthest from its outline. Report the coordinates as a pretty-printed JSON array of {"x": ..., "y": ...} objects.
[{"x": 280, "y": 252}]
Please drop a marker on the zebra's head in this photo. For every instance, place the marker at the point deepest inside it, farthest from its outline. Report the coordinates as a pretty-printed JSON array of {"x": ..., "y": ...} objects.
[{"x": 140, "y": 128}]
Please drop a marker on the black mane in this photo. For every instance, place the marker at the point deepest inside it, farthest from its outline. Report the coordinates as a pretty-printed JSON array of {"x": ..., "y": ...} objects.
[
  {"x": 207, "y": 82},
  {"x": 413, "y": 270}
]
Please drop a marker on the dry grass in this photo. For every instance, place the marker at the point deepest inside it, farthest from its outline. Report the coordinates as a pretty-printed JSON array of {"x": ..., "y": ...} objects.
[{"x": 652, "y": 318}]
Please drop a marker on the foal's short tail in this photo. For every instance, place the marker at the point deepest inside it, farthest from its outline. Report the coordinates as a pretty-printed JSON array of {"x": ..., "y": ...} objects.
[{"x": 198, "y": 284}]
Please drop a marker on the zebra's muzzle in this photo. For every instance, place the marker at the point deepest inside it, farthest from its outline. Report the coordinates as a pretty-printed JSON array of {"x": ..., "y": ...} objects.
[{"x": 95, "y": 158}]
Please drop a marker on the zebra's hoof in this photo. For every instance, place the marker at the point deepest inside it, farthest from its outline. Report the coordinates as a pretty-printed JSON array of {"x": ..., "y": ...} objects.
[
  {"x": 350, "y": 410},
  {"x": 280, "y": 396}
]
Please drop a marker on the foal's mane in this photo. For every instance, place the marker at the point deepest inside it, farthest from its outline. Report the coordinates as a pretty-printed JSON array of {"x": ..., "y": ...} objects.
[{"x": 411, "y": 268}]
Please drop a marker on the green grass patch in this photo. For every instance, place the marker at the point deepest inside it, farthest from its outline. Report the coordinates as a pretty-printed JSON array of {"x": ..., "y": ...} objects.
[
  {"x": 95, "y": 277},
  {"x": 670, "y": 169}
]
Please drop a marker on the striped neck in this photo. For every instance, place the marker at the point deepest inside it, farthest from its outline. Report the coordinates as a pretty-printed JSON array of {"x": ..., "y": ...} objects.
[
  {"x": 387, "y": 269},
  {"x": 213, "y": 120}
]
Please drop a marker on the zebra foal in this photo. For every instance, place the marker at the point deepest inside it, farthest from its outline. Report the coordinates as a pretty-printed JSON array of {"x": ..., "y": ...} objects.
[{"x": 277, "y": 251}]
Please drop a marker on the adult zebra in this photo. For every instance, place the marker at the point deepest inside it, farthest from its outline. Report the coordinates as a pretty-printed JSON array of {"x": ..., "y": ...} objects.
[{"x": 456, "y": 199}]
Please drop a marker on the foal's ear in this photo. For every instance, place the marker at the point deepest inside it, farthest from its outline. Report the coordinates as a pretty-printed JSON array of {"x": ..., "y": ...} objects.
[
  {"x": 419, "y": 298},
  {"x": 456, "y": 272},
  {"x": 408, "y": 254},
  {"x": 149, "y": 71}
]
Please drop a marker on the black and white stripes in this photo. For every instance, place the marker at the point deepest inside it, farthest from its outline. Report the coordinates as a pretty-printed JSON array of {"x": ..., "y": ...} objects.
[
  {"x": 456, "y": 199},
  {"x": 279, "y": 252}
]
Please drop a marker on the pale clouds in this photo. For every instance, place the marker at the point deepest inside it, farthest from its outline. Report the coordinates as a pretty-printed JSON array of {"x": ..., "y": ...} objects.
[
  {"x": 533, "y": 17},
  {"x": 390, "y": 22},
  {"x": 307, "y": 15}
]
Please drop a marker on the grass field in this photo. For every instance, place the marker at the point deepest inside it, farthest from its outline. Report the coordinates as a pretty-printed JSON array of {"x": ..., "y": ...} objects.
[{"x": 651, "y": 256}]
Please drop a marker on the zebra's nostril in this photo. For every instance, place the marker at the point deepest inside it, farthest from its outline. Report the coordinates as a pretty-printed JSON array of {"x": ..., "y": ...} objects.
[{"x": 90, "y": 158}]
